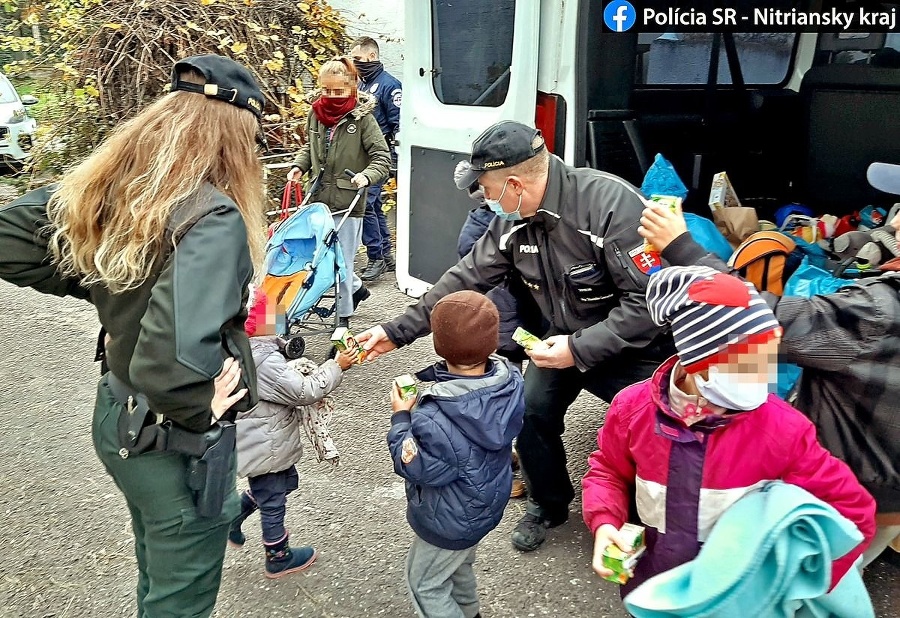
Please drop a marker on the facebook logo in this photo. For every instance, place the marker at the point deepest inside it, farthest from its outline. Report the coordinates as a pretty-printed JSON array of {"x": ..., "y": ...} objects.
[{"x": 619, "y": 15}]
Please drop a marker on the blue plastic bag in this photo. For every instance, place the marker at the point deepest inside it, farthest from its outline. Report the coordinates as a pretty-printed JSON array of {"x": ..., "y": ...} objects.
[
  {"x": 792, "y": 209},
  {"x": 707, "y": 235},
  {"x": 662, "y": 179},
  {"x": 808, "y": 280}
]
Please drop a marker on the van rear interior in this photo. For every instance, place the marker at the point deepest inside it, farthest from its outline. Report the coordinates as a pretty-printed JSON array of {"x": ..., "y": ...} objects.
[{"x": 740, "y": 111}]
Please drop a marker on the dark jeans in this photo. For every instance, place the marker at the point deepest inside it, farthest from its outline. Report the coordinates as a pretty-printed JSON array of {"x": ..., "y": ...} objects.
[
  {"x": 376, "y": 236},
  {"x": 270, "y": 492},
  {"x": 548, "y": 395}
]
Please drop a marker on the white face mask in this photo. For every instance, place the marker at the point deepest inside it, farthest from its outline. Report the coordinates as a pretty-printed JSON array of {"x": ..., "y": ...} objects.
[{"x": 731, "y": 391}]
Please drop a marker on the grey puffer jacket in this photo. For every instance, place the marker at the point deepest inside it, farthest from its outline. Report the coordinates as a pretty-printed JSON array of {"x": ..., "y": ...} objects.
[{"x": 270, "y": 436}]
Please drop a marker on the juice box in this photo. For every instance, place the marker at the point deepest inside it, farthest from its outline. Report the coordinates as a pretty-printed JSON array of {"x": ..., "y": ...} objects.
[
  {"x": 343, "y": 340},
  {"x": 623, "y": 563},
  {"x": 407, "y": 385},
  {"x": 526, "y": 339},
  {"x": 673, "y": 204},
  {"x": 722, "y": 194}
]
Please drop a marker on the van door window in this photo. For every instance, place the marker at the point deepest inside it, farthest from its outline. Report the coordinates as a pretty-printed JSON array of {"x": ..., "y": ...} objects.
[
  {"x": 473, "y": 44},
  {"x": 683, "y": 58}
]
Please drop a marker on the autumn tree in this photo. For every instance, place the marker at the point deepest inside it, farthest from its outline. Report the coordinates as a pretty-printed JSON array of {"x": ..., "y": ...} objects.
[{"x": 99, "y": 61}]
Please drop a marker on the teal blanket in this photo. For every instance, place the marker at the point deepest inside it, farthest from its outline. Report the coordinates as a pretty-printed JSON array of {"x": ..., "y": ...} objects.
[{"x": 768, "y": 556}]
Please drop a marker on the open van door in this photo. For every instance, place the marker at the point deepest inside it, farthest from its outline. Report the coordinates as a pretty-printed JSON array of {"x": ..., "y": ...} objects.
[{"x": 468, "y": 64}]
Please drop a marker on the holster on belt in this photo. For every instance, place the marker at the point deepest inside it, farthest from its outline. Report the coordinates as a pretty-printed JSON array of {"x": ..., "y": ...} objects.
[
  {"x": 137, "y": 427},
  {"x": 209, "y": 453},
  {"x": 208, "y": 476}
]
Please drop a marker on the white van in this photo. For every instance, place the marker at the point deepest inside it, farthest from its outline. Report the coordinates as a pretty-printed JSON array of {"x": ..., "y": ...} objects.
[
  {"x": 789, "y": 116},
  {"x": 16, "y": 126}
]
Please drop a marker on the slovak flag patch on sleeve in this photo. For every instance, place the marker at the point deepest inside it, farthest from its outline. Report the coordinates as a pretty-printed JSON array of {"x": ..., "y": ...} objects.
[{"x": 648, "y": 262}]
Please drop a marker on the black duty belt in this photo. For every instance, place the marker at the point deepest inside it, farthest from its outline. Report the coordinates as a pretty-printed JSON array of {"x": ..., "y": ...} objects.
[
  {"x": 211, "y": 453},
  {"x": 141, "y": 430}
]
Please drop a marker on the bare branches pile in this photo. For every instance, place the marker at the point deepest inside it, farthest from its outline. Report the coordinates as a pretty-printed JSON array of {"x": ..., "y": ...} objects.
[{"x": 131, "y": 52}]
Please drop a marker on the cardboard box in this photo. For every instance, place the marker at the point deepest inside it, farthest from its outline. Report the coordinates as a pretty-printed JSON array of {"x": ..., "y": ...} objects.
[
  {"x": 721, "y": 194},
  {"x": 407, "y": 386},
  {"x": 526, "y": 339},
  {"x": 622, "y": 563},
  {"x": 344, "y": 341}
]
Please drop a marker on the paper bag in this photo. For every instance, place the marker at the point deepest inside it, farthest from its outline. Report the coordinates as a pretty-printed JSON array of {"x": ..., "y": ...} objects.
[{"x": 736, "y": 223}]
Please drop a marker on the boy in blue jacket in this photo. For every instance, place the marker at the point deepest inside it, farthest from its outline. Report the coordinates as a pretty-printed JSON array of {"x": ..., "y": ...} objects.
[{"x": 453, "y": 445}]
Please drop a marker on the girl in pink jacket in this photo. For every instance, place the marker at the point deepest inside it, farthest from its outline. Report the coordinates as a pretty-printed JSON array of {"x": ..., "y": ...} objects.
[{"x": 704, "y": 431}]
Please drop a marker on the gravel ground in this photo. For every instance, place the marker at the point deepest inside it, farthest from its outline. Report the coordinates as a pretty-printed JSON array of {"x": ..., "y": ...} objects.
[{"x": 67, "y": 544}]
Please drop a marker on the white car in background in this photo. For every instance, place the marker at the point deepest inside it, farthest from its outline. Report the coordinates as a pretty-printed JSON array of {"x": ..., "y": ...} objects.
[{"x": 16, "y": 126}]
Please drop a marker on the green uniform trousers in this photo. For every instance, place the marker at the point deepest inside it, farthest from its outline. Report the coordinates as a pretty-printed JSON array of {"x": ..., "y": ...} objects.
[{"x": 179, "y": 554}]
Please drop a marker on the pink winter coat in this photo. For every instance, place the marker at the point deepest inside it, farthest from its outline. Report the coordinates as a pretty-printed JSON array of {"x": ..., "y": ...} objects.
[{"x": 682, "y": 479}]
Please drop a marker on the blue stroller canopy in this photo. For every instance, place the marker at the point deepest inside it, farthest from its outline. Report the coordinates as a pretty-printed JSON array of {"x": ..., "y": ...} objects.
[{"x": 299, "y": 244}]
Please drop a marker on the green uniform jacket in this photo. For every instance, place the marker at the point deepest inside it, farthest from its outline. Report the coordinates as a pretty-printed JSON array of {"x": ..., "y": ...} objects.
[
  {"x": 171, "y": 335},
  {"x": 356, "y": 144}
]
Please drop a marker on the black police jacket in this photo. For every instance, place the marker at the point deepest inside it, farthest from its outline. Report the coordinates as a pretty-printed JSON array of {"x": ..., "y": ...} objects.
[{"x": 581, "y": 258}]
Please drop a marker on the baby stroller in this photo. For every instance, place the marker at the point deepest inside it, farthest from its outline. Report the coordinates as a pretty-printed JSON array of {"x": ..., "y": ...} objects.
[{"x": 303, "y": 266}]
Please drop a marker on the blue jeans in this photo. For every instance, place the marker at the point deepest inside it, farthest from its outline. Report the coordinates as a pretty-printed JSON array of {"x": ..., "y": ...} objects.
[
  {"x": 270, "y": 492},
  {"x": 376, "y": 236}
]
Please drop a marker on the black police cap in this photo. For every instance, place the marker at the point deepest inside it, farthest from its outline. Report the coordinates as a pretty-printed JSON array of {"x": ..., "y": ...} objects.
[
  {"x": 504, "y": 144},
  {"x": 226, "y": 80}
]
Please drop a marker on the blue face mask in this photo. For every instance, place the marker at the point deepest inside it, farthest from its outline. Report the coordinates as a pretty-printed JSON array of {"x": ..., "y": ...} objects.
[{"x": 497, "y": 209}]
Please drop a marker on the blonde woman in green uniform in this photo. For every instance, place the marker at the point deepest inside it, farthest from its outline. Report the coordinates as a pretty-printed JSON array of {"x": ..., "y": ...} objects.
[{"x": 160, "y": 228}]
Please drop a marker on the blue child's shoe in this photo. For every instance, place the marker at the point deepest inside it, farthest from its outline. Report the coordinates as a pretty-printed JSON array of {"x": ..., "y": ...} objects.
[{"x": 281, "y": 560}]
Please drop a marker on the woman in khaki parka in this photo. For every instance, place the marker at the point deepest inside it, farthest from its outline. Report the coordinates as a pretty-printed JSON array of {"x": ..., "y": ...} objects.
[{"x": 343, "y": 134}]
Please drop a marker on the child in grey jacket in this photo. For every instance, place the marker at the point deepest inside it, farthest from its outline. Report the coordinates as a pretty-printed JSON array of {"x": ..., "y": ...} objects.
[{"x": 269, "y": 439}]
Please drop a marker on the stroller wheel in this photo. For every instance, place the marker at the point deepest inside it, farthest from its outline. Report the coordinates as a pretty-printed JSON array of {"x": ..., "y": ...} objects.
[{"x": 295, "y": 347}]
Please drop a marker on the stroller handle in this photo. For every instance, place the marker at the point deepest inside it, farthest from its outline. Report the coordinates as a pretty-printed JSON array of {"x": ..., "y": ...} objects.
[{"x": 350, "y": 173}]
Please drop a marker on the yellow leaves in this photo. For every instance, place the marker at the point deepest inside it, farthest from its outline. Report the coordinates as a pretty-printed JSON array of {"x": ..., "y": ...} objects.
[
  {"x": 92, "y": 91},
  {"x": 192, "y": 26},
  {"x": 254, "y": 27},
  {"x": 113, "y": 26},
  {"x": 303, "y": 6},
  {"x": 239, "y": 48},
  {"x": 278, "y": 54},
  {"x": 207, "y": 2},
  {"x": 274, "y": 65}
]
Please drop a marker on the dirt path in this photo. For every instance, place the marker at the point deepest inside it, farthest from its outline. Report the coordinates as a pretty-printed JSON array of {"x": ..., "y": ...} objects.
[{"x": 67, "y": 545}]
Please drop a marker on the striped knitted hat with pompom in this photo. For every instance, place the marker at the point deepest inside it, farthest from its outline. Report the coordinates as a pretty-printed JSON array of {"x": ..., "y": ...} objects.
[{"x": 712, "y": 314}]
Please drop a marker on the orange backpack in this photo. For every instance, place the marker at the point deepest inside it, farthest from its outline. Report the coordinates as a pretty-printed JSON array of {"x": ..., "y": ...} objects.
[{"x": 762, "y": 260}]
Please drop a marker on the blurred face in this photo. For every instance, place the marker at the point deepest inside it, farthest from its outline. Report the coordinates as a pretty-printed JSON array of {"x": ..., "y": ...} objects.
[
  {"x": 359, "y": 55},
  {"x": 274, "y": 315},
  {"x": 336, "y": 86},
  {"x": 754, "y": 364}
]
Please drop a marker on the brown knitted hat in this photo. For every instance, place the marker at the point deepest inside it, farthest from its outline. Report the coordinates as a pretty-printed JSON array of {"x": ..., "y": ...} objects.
[{"x": 465, "y": 327}]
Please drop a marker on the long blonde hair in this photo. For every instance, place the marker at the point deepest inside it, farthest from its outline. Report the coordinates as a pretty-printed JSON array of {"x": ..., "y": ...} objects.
[{"x": 111, "y": 211}]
